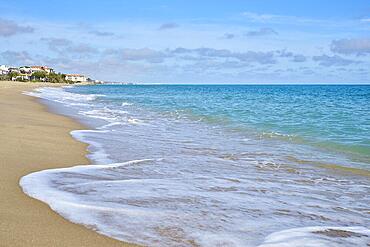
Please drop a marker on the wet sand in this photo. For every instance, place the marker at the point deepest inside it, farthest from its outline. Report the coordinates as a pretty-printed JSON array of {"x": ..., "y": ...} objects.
[{"x": 33, "y": 139}]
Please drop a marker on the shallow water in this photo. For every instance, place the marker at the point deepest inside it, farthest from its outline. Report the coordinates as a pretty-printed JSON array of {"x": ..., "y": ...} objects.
[{"x": 215, "y": 165}]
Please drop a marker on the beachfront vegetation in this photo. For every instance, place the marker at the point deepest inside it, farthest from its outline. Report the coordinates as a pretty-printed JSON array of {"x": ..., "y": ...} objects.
[
  {"x": 11, "y": 75},
  {"x": 41, "y": 76},
  {"x": 57, "y": 78},
  {"x": 38, "y": 76},
  {"x": 51, "y": 77}
]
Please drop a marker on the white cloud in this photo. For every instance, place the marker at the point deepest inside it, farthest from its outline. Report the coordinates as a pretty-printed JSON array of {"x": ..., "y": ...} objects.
[
  {"x": 142, "y": 54},
  {"x": 101, "y": 33},
  {"x": 247, "y": 57},
  {"x": 325, "y": 60},
  {"x": 261, "y": 32},
  {"x": 228, "y": 36},
  {"x": 67, "y": 47},
  {"x": 262, "y": 17},
  {"x": 289, "y": 19},
  {"x": 169, "y": 25},
  {"x": 358, "y": 46},
  {"x": 17, "y": 58},
  {"x": 10, "y": 28}
]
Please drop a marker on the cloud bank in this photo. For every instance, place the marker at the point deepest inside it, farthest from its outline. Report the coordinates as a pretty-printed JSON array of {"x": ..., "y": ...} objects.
[
  {"x": 358, "y": 46},
  {"x": 10, "y": 28},
  {"x": 326, "y": 60}
]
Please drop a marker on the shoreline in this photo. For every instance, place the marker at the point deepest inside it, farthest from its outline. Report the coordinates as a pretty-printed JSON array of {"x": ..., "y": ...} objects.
[
  {"x": 35, "y": 139},
  {"x": 33, "y": 128}
]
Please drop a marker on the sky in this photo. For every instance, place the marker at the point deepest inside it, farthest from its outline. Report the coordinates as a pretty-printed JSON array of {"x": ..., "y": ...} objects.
[{"x": 213, "y": 42}]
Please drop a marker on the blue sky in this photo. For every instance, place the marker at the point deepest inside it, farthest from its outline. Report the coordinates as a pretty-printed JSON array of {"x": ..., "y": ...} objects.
[{"x": 250, "y": 41}]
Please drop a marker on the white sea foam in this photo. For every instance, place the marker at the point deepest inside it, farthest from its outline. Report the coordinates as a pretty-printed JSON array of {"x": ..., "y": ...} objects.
[
  {"x": 82, "y": 103},
  {"x": 109, "y": 115},
  {"x": 113, "y": 116},
  {"x": 107, "y": 126},
  {"x": 97, "y": 152},
  {"x": 319, "y": 236},
  {"x": 126, "y": 104},
  {"x": 134, "y": 121},
  {"x": 151, "y": 202},
  {"x": 61, "y": 96}
]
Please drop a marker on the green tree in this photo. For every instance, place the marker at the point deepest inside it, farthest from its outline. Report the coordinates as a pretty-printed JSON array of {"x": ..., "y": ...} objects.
[
  {"x": 56, "y": 78},
  {"x": 4, "y": 77},
  {"x": 12, "y": 74},
  {"x": 39, "y": 74}
]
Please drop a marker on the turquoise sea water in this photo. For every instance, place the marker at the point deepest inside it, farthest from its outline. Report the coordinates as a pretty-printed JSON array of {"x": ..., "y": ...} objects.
[
  {"x": 216, "y": 165},
  {"x": 336, "y": 118}
]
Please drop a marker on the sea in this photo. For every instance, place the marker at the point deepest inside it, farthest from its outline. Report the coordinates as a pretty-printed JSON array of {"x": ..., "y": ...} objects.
[{"x": 215, "y": 165}]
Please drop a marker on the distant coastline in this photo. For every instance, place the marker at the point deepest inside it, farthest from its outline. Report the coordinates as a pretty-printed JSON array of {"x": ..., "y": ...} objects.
[{"x": 41, "y": 74}]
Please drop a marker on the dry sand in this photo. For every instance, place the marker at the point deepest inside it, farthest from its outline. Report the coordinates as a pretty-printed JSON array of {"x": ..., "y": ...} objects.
[{"x": 33, "y": 139}]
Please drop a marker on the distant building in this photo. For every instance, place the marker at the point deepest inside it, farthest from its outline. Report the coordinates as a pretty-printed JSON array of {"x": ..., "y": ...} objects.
[
  {"x": 76, "y": 78},
  {"x": 25, "y": 77},
  {"x": 4, "y": 70},
  {"x": 26, "y": 73},
  {"x": 25, "y": 70},
  {"x": 16, "y": 70},
  {"x": 41, "y": 68}
]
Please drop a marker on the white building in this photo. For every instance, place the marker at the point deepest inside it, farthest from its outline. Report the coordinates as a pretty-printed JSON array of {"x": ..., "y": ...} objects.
[
  {"x": 76, "y": 78},
  {"x": 25, "y": 70},
  {"x": 4, "y": 70},
  {"x": 41, "y": 68},
  {"x": 25, "y": 77},
  {"x": 98, "y": 82}
]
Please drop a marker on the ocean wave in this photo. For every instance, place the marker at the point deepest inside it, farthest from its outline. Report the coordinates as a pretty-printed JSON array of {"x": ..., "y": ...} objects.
[
  {"x": 150, "y": 202},
  {"x": 62, "y": 96},
  {"x": 113, "y": 116},
  {"x": 319, "y": 236}
]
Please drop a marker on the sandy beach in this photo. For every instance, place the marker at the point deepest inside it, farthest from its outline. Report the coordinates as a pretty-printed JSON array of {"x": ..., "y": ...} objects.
[{"x": 34, "y": 139}]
